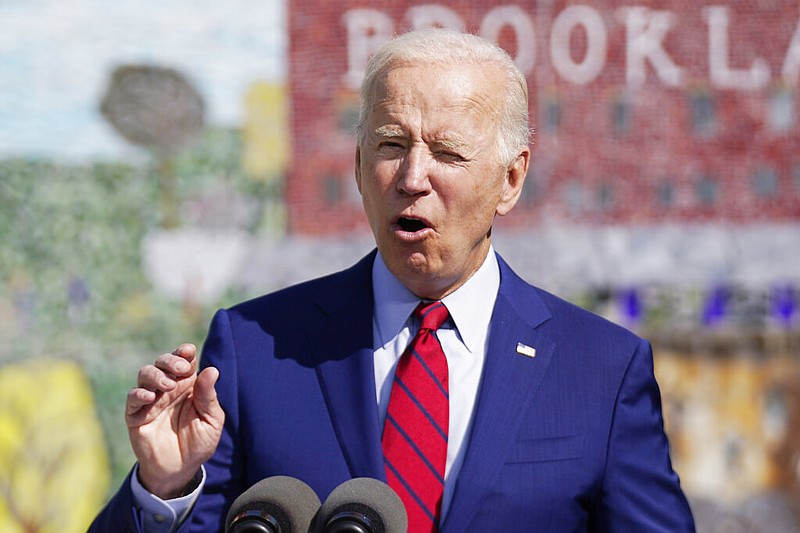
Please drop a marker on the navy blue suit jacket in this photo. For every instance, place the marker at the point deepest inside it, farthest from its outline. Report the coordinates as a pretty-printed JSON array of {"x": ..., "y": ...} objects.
[{"x": 570, "y": 440}]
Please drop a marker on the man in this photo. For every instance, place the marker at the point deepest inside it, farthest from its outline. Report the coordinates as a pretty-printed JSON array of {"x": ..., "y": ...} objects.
[{"x": 554, "y": 418}]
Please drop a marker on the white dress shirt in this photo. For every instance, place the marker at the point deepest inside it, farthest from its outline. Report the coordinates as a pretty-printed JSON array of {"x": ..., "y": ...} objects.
[{"x": 463, "y": 340}]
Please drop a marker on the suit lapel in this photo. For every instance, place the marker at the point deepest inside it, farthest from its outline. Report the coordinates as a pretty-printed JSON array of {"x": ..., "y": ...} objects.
[
  {"x": 510, "y": 380},
  {"x": 342, "y": 343}
]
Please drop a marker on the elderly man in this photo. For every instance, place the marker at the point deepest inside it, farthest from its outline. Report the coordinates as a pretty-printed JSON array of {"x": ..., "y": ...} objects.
[{"x": 486, "y": 403}]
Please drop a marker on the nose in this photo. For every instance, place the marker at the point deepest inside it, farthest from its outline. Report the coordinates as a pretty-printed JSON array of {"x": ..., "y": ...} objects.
[{"x": 414, "y": 173}]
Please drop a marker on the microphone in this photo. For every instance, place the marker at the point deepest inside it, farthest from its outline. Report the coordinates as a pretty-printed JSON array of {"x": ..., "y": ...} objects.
[
  {"x": 279, "y": 504},
  {"x": 361, "y": 505}
]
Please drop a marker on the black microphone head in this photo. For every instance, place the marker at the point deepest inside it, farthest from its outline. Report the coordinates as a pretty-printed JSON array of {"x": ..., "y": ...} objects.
[
  {"x": 279, "y": 504},
  {"x": 361, "y": 505}
]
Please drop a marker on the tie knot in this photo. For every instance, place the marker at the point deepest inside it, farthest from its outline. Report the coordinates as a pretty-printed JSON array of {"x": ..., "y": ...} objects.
[{"x": 431, "y": 315}]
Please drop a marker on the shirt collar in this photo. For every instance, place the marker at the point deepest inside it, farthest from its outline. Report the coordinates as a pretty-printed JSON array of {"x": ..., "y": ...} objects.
[{"x": 470, "y": 305}]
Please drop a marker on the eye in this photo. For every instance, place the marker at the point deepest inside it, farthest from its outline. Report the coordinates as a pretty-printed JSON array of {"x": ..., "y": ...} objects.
[
  {"x": 390, "y": 147},
  {"x": 449, "y": 156}
]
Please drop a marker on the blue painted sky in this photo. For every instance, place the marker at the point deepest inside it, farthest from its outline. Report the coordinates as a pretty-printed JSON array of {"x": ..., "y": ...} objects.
[{"x": 56, "y": 57}]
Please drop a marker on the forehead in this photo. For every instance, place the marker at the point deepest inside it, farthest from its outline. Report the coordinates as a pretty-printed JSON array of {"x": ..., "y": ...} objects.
[{"x": 439, "y": 92}]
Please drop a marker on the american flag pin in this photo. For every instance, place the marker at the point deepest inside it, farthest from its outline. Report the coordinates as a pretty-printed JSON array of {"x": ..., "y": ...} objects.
[{"x": 524, "y": 349}]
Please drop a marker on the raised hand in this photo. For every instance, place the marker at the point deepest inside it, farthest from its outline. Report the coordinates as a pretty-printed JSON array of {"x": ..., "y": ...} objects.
[{"x": 174, "y": 421}]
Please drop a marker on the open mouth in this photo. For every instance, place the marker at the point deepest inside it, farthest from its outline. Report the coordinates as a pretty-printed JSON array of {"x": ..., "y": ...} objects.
[{"x": 411, "y": 225}]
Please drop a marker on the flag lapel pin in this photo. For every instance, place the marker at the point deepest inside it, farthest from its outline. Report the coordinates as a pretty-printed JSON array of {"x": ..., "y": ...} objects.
[{"x": 527, "y": 351}]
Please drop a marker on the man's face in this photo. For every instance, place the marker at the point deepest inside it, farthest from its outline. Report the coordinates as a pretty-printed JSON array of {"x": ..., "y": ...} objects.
[{"x": 429, "y": 174}]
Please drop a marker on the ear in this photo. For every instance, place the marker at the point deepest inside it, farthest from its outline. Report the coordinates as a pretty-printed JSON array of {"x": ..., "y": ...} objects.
[
  {"x": 513, "y": 181},
  {"x": 358, "y": 168}
]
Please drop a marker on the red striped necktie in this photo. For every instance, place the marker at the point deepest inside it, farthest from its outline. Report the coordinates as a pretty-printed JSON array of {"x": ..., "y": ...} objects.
[{"x": 415, "y": 433}]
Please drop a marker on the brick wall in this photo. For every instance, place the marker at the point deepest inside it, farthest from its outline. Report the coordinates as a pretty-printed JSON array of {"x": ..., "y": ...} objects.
[{"x": 646, "y": 112}]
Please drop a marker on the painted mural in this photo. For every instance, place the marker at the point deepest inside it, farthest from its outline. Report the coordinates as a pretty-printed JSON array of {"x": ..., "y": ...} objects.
[{"x": 159, "y": 160}]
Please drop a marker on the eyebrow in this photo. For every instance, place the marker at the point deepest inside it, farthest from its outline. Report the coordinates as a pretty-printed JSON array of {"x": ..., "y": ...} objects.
[
  {"x": 450, "y": 144},
  {"x": 392, "y": 132},
  {"x": 388, "y": 131}
]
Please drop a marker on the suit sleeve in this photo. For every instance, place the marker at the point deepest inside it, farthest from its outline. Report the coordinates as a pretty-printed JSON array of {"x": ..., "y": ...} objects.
[
  {"x": 120, "y": 515},
  {"x": 223, "y": 470},
  {"x": 641, "y": 492}
]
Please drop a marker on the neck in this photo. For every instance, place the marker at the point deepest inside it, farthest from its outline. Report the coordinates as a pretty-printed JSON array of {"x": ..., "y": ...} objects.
[{"x": 438, "y": 288}]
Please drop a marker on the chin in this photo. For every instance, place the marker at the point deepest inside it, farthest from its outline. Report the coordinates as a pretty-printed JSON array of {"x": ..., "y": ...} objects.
[
  {"x": 417, "y": 261},
  {"x": 409, "y": 268}
]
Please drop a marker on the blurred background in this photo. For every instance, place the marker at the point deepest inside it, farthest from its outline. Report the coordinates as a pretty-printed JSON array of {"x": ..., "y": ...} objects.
[{"x": 159, "y": 160}]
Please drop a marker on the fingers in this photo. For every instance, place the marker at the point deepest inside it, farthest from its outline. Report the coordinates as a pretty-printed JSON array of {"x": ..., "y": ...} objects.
[
  {"x": 139, "y": 407},
  {"x": 187, "y": 351},
  {"x": 138, "y": 398},
  {"x": 161, "y": 377},
  {"x": 154, "y": 379},
  {"x": 180, "y": 363},
  {"x": 205, "y": 396},
  {"x": 167, "y": 368}
]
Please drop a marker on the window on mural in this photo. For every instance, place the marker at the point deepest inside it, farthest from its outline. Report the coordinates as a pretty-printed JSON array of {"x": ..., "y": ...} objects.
[
  {"x": 704, "y": 113},
  {"x": 796, "y": 177},
  {"x": 621, "y": 115},
  {"x": 605, "y": 197},
  {"x": 348, "y": 118},
  {"x": 665, "y": 194},
  {"x": 530, "y": 189},
  {"x": 707, "y": 190},
  {"x": 550, "y": 110},
  {"x": 780, "y": 114},
  {"x": 572, "y": 196},
  {"x": 765, "y": 183},
  {"x": 333, "y": 189}
]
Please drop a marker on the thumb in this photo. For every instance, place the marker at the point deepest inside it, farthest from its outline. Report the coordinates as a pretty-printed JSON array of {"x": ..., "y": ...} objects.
[{"x": 205, "y": 396}]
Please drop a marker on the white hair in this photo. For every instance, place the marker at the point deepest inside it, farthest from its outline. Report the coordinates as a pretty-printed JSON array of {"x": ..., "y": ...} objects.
[{"x": 438, "y": 45}]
